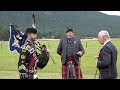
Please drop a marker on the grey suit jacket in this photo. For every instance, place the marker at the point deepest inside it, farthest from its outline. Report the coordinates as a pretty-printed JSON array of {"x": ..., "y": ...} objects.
[
  {"x": 62, "y": 47},
  {"x": 107, "y": 61}
]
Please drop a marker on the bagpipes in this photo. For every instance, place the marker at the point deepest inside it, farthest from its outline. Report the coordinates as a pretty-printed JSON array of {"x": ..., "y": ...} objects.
[{"x": 17, "y": 39}]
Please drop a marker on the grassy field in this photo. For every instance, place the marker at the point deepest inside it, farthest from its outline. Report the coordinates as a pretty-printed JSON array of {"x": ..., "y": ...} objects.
[{"x": 8, "y": 60}]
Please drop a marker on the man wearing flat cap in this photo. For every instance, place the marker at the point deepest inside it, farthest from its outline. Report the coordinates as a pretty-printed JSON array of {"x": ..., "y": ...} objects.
[
  {"x": 70, "y": 49},
  {"x": 27, "y": 64}
]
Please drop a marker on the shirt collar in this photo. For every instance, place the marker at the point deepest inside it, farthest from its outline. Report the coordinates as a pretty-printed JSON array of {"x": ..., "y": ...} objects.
[{"x": 106, "y": 42}]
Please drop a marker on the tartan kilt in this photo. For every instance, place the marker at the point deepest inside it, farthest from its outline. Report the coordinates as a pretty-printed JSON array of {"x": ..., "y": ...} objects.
[{"x": 77, "y": 67}]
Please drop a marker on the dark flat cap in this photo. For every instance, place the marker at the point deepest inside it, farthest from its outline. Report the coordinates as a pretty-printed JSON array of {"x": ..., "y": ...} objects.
[
  {"x": 31, "y": 30},
  {"x": 69, "y": 30}
]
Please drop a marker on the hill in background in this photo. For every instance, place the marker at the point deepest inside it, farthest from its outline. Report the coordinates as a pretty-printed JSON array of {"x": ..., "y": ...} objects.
[{"x": 54, "y": 23}]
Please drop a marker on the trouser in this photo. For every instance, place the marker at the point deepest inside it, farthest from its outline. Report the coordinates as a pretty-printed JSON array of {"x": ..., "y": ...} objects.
[{"x": 108, "y": 77}]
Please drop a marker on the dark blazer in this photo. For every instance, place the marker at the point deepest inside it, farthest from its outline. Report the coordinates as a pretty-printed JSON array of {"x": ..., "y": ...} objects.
[
  {"x": 107, "y": 61},
  {"x": 62, "y": 47}
]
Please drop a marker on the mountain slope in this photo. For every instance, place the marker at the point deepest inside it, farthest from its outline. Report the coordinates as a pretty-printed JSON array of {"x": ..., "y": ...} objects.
[{"x": 54, "y": 23}]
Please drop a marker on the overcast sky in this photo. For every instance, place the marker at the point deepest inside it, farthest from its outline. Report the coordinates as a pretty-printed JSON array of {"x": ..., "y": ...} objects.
[{"x": 111, "y": 12}]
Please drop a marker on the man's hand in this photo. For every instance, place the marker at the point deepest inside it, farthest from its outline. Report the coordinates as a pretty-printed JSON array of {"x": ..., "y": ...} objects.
[
  {"x": 79, "y": 53},
  {"x": 96, "y": 63},
  {"x": 48, "y": 50},
  {"x": 96, "y": 57}
]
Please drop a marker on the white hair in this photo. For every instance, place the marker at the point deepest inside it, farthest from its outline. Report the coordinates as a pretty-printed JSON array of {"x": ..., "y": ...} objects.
[{"x": 104, "y": 33}]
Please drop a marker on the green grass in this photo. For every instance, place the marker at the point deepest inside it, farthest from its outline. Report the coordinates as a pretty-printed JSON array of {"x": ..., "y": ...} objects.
[{"x": 8, "y": 61}]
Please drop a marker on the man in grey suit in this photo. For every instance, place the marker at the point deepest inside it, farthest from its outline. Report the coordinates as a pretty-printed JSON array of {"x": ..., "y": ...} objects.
[
  {"x": 70, "y": 49},
  {"x": 107, "y": 58}
]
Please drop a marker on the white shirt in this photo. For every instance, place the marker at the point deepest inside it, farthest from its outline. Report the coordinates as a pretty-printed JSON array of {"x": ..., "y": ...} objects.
[{"x": 106, "y": 42}]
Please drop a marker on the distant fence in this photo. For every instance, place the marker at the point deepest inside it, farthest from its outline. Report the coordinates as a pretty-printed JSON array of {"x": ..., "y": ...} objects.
[
  {"x": 94, "y": 39},
  {"x": 1, "y": 46},
  {"x": 86, "y": 42}
]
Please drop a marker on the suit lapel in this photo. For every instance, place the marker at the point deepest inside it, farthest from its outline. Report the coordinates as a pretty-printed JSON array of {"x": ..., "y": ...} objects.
[{"x": 103, "y": 47}]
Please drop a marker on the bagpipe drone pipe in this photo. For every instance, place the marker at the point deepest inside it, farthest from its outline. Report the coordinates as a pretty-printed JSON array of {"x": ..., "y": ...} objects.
[{"x": 17, "y": 39}]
